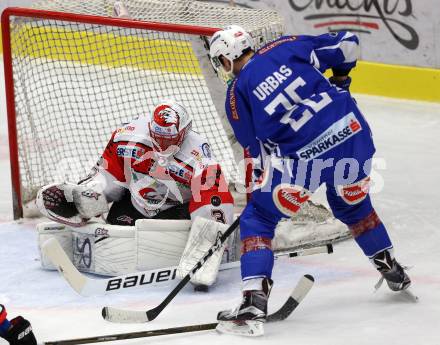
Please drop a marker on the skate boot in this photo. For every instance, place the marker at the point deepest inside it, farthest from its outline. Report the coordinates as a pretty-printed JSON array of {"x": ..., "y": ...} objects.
[
  {"x": 392, "y": 272},
  {"x": 248, "y": 318}
]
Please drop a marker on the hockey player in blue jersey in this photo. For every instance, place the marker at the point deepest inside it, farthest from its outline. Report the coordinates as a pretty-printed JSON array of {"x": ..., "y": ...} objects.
[{"x": 302, "y": 130}]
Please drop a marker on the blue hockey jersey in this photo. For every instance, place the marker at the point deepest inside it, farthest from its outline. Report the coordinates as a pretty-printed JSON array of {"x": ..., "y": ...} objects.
[{"x": 282, "y": 104}]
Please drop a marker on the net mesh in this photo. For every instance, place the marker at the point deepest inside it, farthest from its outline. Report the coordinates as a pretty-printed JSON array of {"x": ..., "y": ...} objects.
[
  {"x": 75, "y": 83},
  {"x": 262, "y": 24}
]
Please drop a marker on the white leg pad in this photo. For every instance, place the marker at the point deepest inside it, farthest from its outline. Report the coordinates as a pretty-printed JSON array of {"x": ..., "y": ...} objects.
[
  {"x": 62, "y": 233},
  {"x": 203, "y": 235},
  {"x": 104, "y": 249},
  {"x": 160, "y": 242}
]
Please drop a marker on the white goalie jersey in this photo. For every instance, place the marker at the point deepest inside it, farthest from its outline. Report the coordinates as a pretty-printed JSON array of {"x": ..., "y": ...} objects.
[
  {"x": 131, "y": 170},
  {"x": 156, "y": 182}
]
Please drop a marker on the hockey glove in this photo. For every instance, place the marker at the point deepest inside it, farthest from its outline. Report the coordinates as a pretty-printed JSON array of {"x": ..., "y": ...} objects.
[
  {"x": 343, "y": 84},
  {"x": 55, "y": 200},
  {"x": 18, "y": 331}
]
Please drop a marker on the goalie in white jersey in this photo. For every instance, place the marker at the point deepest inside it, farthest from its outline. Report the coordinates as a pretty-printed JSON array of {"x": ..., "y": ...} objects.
[{"x": 155, "y": 167}]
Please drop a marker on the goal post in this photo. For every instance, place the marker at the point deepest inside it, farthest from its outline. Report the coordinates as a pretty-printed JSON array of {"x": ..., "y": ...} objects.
[{"x": 73, "y": 77}]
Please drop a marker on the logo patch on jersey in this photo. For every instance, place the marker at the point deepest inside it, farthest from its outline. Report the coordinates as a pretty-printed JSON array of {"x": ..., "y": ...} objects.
[
  {"x": 206, "y": 149},
  {"x": 333, "y": 136},
  {"x": 354, "y": 193},
  {"x": 130, "y": 151},
  {"x": 90, "y": 193},
  {"x": 125, "y": 219},
  {"x": 197, "y": 155},
  {"x": 101, "y": 232},
  {"x": 151, "y": 195},
  {"x": 179, "y": 171},
  {"x": 216, "y": 201},
  {"x": 125, "y": 129},
  {"x": 289, "y": 198}
]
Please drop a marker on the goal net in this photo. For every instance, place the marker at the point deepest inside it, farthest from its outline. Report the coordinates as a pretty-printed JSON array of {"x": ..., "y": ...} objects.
[{"x": 76, "y": 74}]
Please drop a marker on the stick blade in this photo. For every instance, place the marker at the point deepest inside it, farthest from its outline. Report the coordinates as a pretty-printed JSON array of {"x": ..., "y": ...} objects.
[
  {"x": 124, "y": 316},
  {"x": 299, "y": 292},
  {"x": 53, "y": 250}
]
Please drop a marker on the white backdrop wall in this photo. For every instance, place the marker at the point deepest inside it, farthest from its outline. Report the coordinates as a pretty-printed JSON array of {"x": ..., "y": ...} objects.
[
  {"x": 405, "y": 32},
  {"x": 9, "y": 3}
]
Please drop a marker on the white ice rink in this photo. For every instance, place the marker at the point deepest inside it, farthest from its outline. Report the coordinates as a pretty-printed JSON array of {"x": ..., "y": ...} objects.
[{"x": 341, "y": 308}]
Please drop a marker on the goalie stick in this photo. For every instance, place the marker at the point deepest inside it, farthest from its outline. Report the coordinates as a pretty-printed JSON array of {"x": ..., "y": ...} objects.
[
  {"x": 133, "y": 316},
  {"x": 79, "y": 281},
  {"x": 86, "y": 286},
  {"x": 299, "y": 292}
]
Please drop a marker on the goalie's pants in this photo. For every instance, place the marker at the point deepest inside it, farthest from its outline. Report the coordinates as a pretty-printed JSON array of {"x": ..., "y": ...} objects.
[
  {"x": 261, "y": 215},
  {"x": 123, "y": 212}
]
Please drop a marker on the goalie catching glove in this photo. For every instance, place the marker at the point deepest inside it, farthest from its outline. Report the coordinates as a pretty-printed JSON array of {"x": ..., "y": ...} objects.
[{"x": 72, "y": 204}]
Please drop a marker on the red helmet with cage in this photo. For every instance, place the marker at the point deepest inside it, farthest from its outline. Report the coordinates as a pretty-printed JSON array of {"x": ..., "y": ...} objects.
[{"x": 168, "y": 126}]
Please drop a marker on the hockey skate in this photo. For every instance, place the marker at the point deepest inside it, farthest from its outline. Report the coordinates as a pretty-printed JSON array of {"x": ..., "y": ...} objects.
[
  {"x": 392, "y": 272},
  {"x": 248, "y": 318}
]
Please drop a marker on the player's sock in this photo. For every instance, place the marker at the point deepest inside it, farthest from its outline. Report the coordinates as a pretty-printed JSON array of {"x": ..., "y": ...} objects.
[{"x": 393, "y": 273}]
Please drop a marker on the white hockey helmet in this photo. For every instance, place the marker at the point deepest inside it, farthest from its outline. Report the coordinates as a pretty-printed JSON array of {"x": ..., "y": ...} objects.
[
  {"x": 169, "y": 125},
  {"x": 231, "y": 42}
]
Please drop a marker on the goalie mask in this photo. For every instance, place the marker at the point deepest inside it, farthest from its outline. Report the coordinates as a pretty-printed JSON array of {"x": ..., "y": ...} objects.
[
  {"x": 168, "y": 127},
  {"x": 231, "y": 43}
]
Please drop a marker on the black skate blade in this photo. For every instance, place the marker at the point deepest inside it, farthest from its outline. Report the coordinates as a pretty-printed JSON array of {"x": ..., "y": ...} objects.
[{"x": 201, "y": 288}]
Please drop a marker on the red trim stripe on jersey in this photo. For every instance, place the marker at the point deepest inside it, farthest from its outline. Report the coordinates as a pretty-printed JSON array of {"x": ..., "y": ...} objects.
[
  {"x": 184, "y": 164},
  {"x": 275, "y": 44},
  {"x": 233, "y": 101}
]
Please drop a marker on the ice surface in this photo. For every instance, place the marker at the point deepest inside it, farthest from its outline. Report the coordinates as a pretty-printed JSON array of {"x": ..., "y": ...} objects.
[{"x": 340, "y": 309}]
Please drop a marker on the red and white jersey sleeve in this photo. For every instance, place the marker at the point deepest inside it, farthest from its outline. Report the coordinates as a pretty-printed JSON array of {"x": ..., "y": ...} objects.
[
  {"x": 211, "y": 198},
  {"x": 109, "y": 171}
]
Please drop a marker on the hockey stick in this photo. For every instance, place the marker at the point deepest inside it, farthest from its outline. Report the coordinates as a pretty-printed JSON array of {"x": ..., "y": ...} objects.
[
  {"x": 133, "y": 316},
  {"x": 86, "y": 286},
  {"x": 299, "y": 292}
]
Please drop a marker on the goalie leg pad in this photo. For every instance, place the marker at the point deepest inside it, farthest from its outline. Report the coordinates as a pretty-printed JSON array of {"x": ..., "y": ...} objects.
[
  {"x": 62, "y": 233},
  {"x": 160, "y": 242},
  {"x": 104, "y": 249},
  {"x": 203, "y": 234}
]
